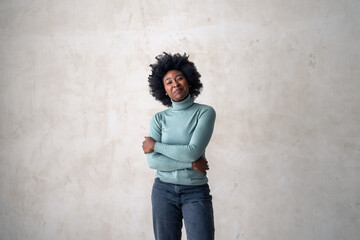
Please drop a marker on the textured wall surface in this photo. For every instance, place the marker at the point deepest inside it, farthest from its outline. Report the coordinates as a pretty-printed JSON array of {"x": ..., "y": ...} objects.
[{"x": 283, "y": 76}]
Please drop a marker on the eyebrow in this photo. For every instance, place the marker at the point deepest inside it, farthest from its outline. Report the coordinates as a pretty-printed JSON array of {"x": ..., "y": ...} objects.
[{"x": 180, "y": 74}]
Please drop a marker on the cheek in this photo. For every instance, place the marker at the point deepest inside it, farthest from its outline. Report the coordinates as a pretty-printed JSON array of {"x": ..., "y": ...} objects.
[{"x": 187, "y": 86}]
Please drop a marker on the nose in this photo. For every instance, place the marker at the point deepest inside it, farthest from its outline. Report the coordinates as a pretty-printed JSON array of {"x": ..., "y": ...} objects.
[{"x": 175, "y": 83}]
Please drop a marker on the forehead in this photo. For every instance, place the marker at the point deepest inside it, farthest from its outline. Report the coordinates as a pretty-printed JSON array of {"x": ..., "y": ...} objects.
[{"x": 171, "y": 74}]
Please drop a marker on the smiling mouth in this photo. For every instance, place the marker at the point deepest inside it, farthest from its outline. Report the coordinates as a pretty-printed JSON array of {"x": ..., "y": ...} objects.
[{"x": 177, "y": 91}]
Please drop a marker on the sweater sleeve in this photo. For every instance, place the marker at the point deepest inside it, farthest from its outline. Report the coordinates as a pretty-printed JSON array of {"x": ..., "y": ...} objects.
[
  {"x": 157, "y": 160},
  {"x": 199, "y": 140}
]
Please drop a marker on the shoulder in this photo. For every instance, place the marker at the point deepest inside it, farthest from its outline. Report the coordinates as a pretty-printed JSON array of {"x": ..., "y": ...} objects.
[
  {"x": 157, "y": 117},
  {"x": 205, "y": 109}
]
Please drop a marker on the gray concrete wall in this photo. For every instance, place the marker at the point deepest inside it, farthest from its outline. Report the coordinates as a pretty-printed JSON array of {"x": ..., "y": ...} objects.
[{"x": 283, "y": 76}]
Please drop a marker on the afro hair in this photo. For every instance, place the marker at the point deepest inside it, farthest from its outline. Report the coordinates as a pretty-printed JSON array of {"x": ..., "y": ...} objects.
[{"x": 166, "y": 62}]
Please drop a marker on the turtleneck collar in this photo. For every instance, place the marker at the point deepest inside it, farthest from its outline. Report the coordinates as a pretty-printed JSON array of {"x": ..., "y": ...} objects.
[{"x": 187, "y": 102}]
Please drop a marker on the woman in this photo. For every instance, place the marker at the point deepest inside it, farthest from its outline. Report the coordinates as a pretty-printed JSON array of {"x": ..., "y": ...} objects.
[{"x": 176, "y": 149}]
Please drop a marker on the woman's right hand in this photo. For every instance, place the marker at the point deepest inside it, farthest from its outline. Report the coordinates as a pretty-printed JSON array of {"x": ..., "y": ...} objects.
[
  {"x": 148, "y": 145},
  {"x": 201, "y": 165}
]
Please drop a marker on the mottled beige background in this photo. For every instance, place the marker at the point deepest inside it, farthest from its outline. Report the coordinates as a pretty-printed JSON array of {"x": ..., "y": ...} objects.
[{"x": 283, "y": 76}]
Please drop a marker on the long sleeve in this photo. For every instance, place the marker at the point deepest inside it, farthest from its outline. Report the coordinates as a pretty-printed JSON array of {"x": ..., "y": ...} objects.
[
  {"x": 198, "y": 142},
  {"x": 157, "y": 160},
  {"x": 162, "y": 163}
]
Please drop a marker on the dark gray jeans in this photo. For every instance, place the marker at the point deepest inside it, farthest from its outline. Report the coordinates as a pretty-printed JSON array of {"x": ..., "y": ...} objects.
[{"x": 171, "y": 203}]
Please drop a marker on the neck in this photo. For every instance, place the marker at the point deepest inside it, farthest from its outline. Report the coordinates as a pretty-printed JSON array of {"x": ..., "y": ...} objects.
[{"x": 185, "y": 103}]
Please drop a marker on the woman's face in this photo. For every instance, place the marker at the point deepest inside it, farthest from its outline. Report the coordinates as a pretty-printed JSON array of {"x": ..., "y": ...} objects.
[{"x": 176, "y": 85}]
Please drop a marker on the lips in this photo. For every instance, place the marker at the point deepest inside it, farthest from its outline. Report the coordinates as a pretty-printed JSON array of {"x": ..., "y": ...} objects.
[{"x": 177, "y": 90}]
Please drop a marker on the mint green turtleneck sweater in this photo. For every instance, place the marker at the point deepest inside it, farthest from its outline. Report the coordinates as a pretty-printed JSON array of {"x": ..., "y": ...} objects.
[{"x": 181, "y": 133}]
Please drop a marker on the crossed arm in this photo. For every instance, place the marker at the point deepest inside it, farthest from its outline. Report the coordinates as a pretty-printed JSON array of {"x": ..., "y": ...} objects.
[{"x": 166, "y": 157}]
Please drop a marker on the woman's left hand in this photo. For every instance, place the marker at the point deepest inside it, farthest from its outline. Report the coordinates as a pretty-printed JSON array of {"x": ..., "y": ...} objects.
[{"x": 148, "y": 145}]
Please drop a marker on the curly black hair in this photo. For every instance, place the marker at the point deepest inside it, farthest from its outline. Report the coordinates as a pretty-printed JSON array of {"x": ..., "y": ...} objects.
[{"x": 166, "y": 62}]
